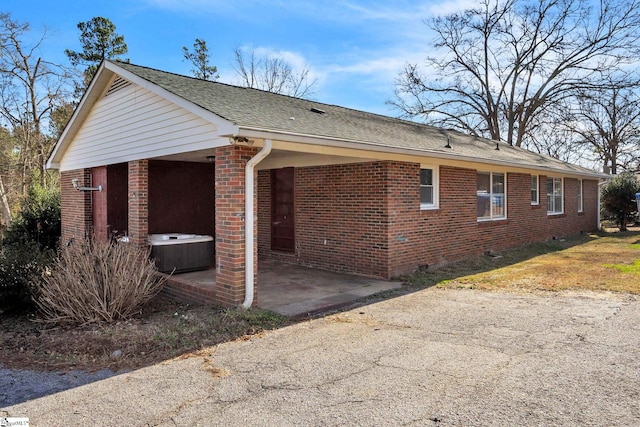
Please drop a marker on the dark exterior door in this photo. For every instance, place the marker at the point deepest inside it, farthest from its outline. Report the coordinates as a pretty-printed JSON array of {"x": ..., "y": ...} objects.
[
  {"x": 283, "y": 237},
  {"x": 99, "y": 204}
]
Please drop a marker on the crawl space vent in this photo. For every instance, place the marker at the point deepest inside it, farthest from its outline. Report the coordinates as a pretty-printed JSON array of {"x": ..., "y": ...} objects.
[{"x": 118, "y": 83}]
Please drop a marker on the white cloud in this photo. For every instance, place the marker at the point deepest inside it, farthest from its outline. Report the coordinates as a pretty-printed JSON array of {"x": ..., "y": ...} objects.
[
  {"x": 378, "y": 65},
  {"x": 296, "y": 60},
  {"x": 369, "y": 41},
  {"x": 452, "y": 6}
]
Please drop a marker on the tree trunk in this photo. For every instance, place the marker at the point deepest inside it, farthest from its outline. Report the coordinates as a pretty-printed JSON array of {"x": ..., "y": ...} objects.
[
  {"x": 4, "y": 201},
  {"x": 623, "y": 221}
]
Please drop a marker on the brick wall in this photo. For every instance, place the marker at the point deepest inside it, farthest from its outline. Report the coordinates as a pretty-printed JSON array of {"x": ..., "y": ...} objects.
[
  {"x": 230, "y": 235},
  {"x": 430, "y": 237},
  {"x": 75, "y": 206},
  {"x": 138, "y": 206},
  {"x": 453, "y": 233},
  {"x": 340, "y": 218},
  {"x": 369, "y": 216}
]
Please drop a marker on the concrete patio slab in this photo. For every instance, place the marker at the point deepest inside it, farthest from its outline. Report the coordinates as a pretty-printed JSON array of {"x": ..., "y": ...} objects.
[{"x": 294, "y": 290}]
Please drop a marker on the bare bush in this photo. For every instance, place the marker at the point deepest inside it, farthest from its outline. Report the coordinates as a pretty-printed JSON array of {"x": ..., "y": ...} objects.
[{"x": 97, "y": 282}]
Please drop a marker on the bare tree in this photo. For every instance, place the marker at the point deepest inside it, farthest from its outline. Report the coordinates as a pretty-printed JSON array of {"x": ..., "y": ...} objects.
[
  {"x": 272, "y": 74},
  {"x": 607, "y": 122},
  {"x": 59, "y": 117},
  {"x": 200, "y": 58},
  {"x": 553, "y": 138},
  {"x": 30, "y": 89},
  {"x": 504, "y": 62},
  {"x": 6, "y": 170}
]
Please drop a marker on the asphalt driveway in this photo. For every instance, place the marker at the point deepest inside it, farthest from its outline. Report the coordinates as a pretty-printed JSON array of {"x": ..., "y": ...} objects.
[{"x": 435, "y": 357}]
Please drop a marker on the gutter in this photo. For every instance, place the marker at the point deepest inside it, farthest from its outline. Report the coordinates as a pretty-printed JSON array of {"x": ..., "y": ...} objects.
[
  {"x": 328, "y": 141},
  {"x": 249, "y": 220}
]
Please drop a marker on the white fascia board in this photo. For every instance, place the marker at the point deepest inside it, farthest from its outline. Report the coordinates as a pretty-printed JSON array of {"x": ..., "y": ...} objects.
[
  {"x": 96, "y": 89},
  {"x": 129, "y": 155},
  {"x": 225, "y": 127},
  {"x": 370, "y": 146}
]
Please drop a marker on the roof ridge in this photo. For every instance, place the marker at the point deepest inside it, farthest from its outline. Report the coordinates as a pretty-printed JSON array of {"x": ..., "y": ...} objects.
[
  {"x": 215, "y": 82},
  {"x": 252, "y": 107}
]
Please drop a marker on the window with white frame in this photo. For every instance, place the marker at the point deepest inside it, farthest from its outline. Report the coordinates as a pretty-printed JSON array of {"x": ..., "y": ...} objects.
[
  {"x": 554, "y": 196},
  {"x": 428, "y": 187},
  {"x": 535, "y": 198},
  {"x": 491, "y": 196},
  {"x": 580, "y": 202}
]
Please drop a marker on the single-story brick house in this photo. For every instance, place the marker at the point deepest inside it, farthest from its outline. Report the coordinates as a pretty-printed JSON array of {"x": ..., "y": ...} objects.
[{"x": 330, "y": 187}]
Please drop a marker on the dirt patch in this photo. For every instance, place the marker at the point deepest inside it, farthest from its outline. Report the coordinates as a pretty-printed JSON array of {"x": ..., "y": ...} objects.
[{"x": 162, "y": 330}]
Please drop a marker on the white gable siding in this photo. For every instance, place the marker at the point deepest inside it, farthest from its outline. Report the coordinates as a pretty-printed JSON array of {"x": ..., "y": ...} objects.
[{"x": 134, "y": 123}]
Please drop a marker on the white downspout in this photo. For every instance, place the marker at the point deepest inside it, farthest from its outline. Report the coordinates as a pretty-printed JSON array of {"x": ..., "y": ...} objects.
[
  {"x": 599, "y": 209},
  {"x": 600, "y": 185},
  {"x": 249, "y": 273}
]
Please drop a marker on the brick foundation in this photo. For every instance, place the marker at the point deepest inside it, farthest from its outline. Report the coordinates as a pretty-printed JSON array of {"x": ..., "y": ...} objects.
[{"x": 176, "y": 289}]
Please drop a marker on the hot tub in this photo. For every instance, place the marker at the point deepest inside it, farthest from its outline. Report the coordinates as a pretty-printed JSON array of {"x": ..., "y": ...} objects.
[{"x": 176, "y": 252}]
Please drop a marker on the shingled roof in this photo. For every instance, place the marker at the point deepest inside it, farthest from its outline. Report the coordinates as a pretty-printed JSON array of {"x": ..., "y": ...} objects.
[{"x": 258, "y": 110}]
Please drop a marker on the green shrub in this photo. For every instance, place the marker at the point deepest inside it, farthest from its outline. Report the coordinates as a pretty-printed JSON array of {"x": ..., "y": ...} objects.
[
  {"x": 618, "y": 197},
  {"x": 94, "y": 282},
  {"x": 19, "y": 266},
  {"x": 38, "y": 220},
  {"x": 28, "y": 248}
]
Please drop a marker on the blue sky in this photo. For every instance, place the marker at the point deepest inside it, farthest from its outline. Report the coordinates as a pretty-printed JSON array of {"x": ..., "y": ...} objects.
[{"x": 355, "y": 48}]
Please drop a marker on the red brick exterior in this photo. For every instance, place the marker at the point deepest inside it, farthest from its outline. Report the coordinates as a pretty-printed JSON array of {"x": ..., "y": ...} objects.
[
  {"x": 75, "y": 206},
  {"x": 230, "y": 216},
  {"x": 366, "y": 218},
  {"x": 436, "y": 237},
  {"x": 138, "y": 205},
  {"x": 341, "y": 222},
  {"x": 361, "y": 218}
]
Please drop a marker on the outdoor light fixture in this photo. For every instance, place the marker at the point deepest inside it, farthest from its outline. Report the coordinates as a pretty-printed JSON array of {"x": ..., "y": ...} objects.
[
  {"x": 240, "y": 139},
  {"x": 74, "y": 181},
  {"x": 448, "y": 143}
]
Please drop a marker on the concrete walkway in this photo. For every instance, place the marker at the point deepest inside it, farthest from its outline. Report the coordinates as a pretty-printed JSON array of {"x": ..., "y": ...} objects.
[{"x": 435, "y": 357}]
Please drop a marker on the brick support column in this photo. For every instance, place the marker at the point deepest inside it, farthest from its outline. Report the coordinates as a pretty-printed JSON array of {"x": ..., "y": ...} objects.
[
  {"x": 75, "y": 206},
  {"x": 230, "y": 217},
  {"x": 138, "y": 206}
]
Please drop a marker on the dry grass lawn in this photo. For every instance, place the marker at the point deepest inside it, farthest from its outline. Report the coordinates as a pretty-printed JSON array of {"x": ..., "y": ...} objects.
[{"x": 599, "y": 262}]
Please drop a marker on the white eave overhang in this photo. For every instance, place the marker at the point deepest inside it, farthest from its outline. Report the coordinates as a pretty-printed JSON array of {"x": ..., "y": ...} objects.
[{"x": 257, "y": 133}]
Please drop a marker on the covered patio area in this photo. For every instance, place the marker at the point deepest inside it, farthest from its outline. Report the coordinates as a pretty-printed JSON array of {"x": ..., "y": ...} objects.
[{"x": 291, "y": 290}]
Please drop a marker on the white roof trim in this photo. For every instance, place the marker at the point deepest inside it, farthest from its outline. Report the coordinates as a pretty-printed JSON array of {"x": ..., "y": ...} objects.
[
  {"x": 370, "y": 146},
  {"x": 54, "y": 162},
  {"x": 100, "y": 84}
]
